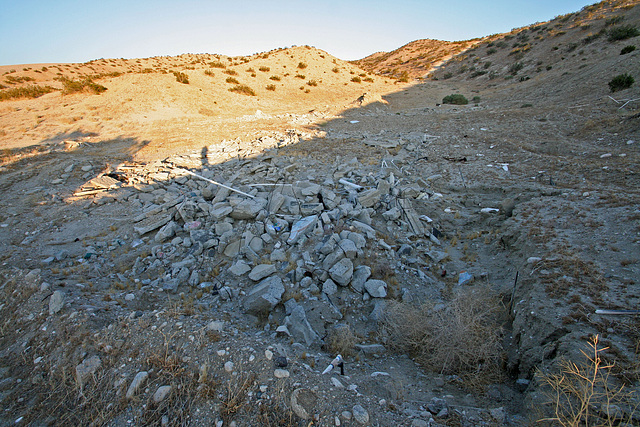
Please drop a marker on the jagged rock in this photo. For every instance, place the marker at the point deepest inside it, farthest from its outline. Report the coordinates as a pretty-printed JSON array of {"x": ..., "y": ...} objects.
[
  {"x": 349, "y": 248},
  {"x": 358, "y": 239},
  {"x": 302, "y": 227},
  {"x": 360, "y": 276},
  {"x": 332, "y": 259},
  {"x": 87, "y": 368},
  {"x": 261, "y": 271},
  {"x": 220, "y": 212},
  {"x": 232, "y": 249},
  {"x": 368, "y": 198},
  {"x": 137, "y": 383},
  {"x": 248, "y": 209},
  {"x": 329, "y": 287},
  {"x": 278, "y": 255},
  {"x": 239, "y": 268},
  {"x": 166, "y": 232},
  {"x": 300, "y": 327},
  {"x": 264, "y": 296},
  {"x": 275, "y": 202},
  {"x": 342, "y": 272},
  {"x": 56, "y": 302},
  {"x": 392, "y": 214},
  {"x": 376, "y": 288}
]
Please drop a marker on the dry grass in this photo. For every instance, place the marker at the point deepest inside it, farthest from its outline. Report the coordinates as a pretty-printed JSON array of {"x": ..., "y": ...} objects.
[
  {"x": 583, "y": 393},
  {"x": 342, "y": 340},
  {"x": 236, "y": 395},
  {"x": 461, "y": 338}
]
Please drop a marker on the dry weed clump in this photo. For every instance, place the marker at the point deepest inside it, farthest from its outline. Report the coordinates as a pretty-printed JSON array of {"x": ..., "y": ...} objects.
[
  {"x": 342, "y": 340},
  {"x": 462, "y": 337},
  {"x": 584, "y": 393}
]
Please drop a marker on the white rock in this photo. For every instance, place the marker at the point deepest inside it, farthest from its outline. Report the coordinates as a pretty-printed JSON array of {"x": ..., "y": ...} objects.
[
  {"x": 56, "y": 302},
  {"x": 268, "y": 354},
  {"x": 228, "y": 366},
  {"x": 361, "y": 415},
  {"x": 137, "y": 383},
  {"x": 281, "y": 373}
]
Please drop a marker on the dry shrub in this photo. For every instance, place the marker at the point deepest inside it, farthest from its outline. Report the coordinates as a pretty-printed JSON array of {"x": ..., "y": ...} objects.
[
  {"x": 341, "y": 340},
  {"x": 236, "y": 396},
  {"x": 461, "y": 338},
  {"x": 583, "y": 393}
]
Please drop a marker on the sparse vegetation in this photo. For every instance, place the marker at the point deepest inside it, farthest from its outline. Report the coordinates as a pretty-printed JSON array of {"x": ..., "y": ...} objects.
[
  {"x": 232, "y": 80},
  {"x": 302, "y": 65},
  {"x": 455, "y": 99},
  {"x": 209, "y": 73},
  {"x": 243, "y": 89},
  {"x": 181, "y": 77},
  {"x": 264, "y": 69},
  {"x": 33, "y": 91},
  {"x": 462, "y": 338},
  {"x": 627, "y": 49},
  {"x": 74, "y": 86},
  {"x": 621, "y": 82},
  {"x": 312, "y": 83},
  {"x": 231, "y": 72},
  {"x": 217, "y": 65},
  {"x": 583, "y": 393},
  {"x": 514, "y": 68},
  {"x": 356, "y": 79},
  {"x": 275, "y": 78},
  {"x": 335, "y": 70},
  {"x": 623, "y": 32},
  {"x": 271, "y": 87}
]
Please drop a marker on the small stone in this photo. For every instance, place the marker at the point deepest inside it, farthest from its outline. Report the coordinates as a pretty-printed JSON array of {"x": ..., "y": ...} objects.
[
  {"x": 56, "y": 302},
  {"x": 281, "y": 362},
  {"x": 215, "y": 325},
  {"x": 329, "y": 287},
  {"x": 129, "y": 297},
  {"x": 361, "y": 415},
  {"x": 137, "y": 383},
  {"x": 161, "y": 393},
  {"x": 228, "y": 366},
  {"x": 419, "y": 423},
  {"x": 239, "y": 268},
  {"x": 464, "y": 278},
  {"x": 268, "y": 354},
  {"x": 281, "y": 373},
  {"x": 346, "y": 415},
  {"x": 336, "y": 383}
]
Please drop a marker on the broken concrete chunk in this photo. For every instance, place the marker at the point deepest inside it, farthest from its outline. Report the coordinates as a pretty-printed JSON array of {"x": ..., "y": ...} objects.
[
  {"x": 261, "y": 271},
  {"x": 376, "y": 288},
  {"x": 368, "y": 198},
  {"x": 301, "y": 227},
  {"x": 275, "y": 202},
  {"x": 264, "y": 296},
  {"x": 248, "y": 209},
  {"x": 342, "y": 272},
  {"x": 153, "y": 223},
  {"x": 360, "y": 275}
]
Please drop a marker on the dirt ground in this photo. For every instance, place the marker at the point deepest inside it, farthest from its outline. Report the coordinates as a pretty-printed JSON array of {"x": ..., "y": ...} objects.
[{"x": 532, "y": 188}]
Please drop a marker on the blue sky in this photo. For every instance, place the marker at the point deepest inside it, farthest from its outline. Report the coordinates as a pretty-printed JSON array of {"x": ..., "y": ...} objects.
[{"x": 41, "y": 31}]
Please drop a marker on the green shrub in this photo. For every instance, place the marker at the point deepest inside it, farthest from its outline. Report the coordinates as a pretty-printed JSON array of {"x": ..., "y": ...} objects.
[
  {"x": 271, "y": 87},
  {"x": 404, "y": 77},
  {"x": 33, "y": 91},
  {"x": 514, "y": 68},
  {"x": 455, "y": 99},
  {"x": 356, "y": 79},
  {"x": 368, "y": 79},
  {"x": 181, "y": 77},
  {"x": 613, "y": 21},
  {"x": 232, "y": 80},
  {"x": 627, "y": 49},
  {"x": 620, "y": 82},
  {"x": 73, "y": 86},
  {"x": 475, "y": 100},
  {"x": 302, "y": 65},
  {"x": 623, "y": 32},
  {"x": 243, "y": 89},
  {"x": 217, "y": 65}
]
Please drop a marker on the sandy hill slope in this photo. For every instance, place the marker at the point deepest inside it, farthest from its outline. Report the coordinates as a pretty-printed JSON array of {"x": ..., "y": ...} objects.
[
  {"x": 414, "y": 59},
  {"x": 145, "y": 100}
]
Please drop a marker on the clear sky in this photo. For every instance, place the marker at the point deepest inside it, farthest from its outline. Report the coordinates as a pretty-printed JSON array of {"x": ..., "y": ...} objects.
[{"x": 42, "y": 31}]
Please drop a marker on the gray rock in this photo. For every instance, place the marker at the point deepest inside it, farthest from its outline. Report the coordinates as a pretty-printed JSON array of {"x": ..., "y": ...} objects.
[
  {"x": 329, "y": 287},
  {"x": 436, "y": 405},
  {"x": 220, "y": 212},
  {"x": 275, "y": 202},
  {"x": 342, "y": 272},
  {"x": 166, "y": 232},
  {"x": 392, "y": 214},
  {"x": 358, "y": 239},
  {"x": 332, "y": 259},
  {"x": 507, "y": 206},
  {"x": 86, "y": 369},
  {"x": 300, "y": 327},
  {"x": 56, "y": 302},
  {"x": 264, "y": 296},
  {"x": 248, "y": 209},
  {"x": 137, "y": 383},
  {"x": 303, "y": 402},
  {"x": 261, "y": 271},
  {"x": 369, "y": 198},
  {"x": 215, "y": 326},
  {"x": 302, "y": 227},
  {"x": 232, "y": 249},
  {"x": 161, "y": 393},
  {"x": 360, "y": 415},
  {"x": 349, "y": 248},
  {"x": 371, "y": 348},
  {"x": 360, "y": 275},
  {"x": 239, "y": 268},
  {"x": 278, "y": 255},
  {"x": 223, "y": 227},
  {"x": 376, "y": 288}
]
